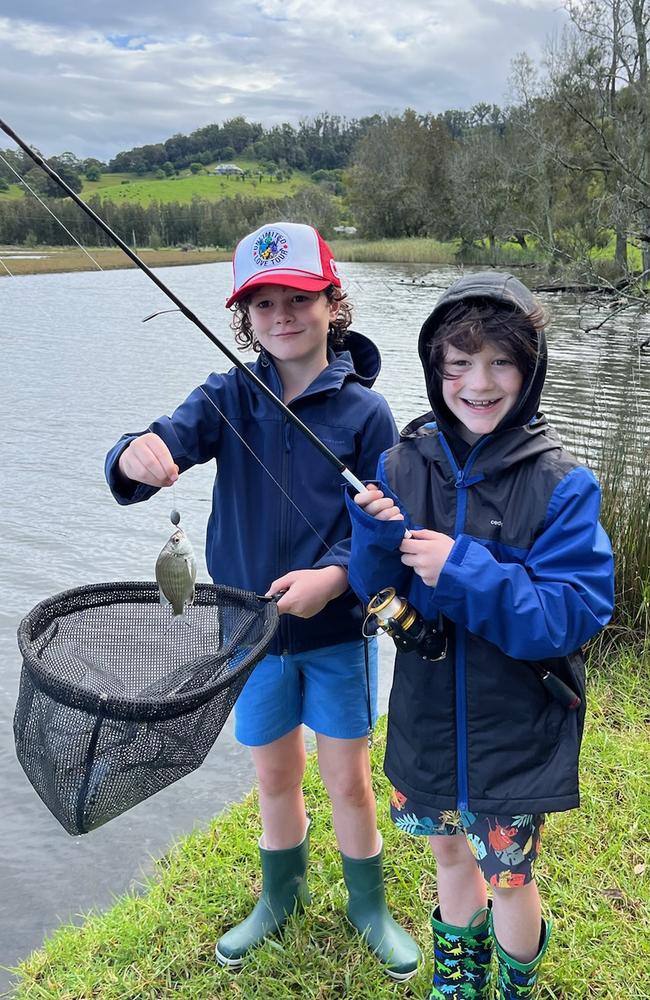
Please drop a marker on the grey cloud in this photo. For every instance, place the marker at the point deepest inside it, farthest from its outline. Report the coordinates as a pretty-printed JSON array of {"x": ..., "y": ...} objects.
[{"x": 70, "y": 88}]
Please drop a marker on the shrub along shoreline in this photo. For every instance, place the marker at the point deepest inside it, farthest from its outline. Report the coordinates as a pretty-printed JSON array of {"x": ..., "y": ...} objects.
[
  {"x": 593, "y": 874},
  {"x": 408, "y": 250}
]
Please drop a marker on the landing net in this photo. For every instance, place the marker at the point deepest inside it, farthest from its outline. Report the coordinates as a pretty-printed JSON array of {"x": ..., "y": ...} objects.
[{"x": 117, "y": 700}]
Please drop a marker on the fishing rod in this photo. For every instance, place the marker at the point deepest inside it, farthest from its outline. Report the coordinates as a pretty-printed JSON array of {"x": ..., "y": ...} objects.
[
  {"x": 187, "y": 312},
  {"x": 394, "y": 615}
]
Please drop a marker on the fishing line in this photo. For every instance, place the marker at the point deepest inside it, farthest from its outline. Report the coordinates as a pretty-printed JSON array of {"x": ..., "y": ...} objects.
[
  {"x": 48, "y": 209},
  {"x": 44, "y": 312},
  {"x": 327, "y": 454},
  {"x": 274, "y": 480}
]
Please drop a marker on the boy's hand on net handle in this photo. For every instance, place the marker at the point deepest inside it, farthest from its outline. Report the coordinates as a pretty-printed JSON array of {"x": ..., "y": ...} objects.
[{"x": 307, "y": 591}]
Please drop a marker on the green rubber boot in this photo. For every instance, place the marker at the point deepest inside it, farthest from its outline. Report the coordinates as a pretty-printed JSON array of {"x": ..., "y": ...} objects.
[
  {"x": 517, "y": 981},
  {"x": 368, "y": 913},
  {"x": 463, "y": 958},
  {"x": 284, "y": 891}
]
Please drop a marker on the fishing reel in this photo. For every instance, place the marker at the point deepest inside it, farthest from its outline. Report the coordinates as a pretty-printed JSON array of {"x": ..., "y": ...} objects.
[{"x": 409, "y": 631}]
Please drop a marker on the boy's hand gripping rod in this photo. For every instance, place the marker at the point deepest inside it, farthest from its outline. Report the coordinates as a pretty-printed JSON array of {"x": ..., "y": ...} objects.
[{"x": 324, "y": 450}]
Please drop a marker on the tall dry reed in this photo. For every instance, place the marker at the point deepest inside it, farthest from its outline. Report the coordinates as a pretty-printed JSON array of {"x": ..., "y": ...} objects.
[{"x": 621, "y": 459}]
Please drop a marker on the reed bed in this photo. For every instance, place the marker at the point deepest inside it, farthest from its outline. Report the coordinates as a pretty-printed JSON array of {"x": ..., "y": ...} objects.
[
  {"x": 405, "y": 251},
  {"x": 621, "y": 459},
  {"x": 421, "y": 250}
]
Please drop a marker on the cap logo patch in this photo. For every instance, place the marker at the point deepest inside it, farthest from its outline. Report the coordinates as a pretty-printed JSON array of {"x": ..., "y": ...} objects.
[{"x": 270, "y": 248}]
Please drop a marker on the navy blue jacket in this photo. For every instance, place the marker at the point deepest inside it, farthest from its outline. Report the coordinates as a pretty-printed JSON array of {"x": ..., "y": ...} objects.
[
  {"x": 530, "y": 577},
  {"x": 255, "y": 534}
]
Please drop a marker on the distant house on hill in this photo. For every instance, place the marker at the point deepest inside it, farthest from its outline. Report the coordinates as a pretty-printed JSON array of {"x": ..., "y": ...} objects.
[{"x": 229, "y": 168}]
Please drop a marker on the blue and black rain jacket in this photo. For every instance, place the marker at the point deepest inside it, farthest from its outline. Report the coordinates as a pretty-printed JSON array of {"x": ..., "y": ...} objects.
[{"x": 530, "y": 578}]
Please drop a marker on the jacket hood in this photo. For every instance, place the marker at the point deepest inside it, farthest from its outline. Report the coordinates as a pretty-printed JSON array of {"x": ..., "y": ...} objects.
[
  {"x": 358, "y": 360},
  {"x": 363, "y": 357},
  {"x": 511, "y": 447},
  {"x": 497, "y": 287}
]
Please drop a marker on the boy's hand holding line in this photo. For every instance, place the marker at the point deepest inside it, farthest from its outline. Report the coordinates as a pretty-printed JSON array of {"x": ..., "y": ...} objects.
[
  {"x": 148, "y": 460},
  {"x": 424, "y": 551}
]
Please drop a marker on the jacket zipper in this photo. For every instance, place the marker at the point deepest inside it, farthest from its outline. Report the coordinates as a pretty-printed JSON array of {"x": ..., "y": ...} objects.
[
  {"x": 461, "y": 483},
  {"x": 285, "y": 620}
]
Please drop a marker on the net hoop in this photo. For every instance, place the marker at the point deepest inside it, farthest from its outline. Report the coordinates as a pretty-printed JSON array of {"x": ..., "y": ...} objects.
[{"x": 44, "y": 616}]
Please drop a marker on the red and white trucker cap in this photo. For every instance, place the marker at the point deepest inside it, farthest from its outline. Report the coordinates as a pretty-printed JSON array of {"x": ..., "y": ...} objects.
[{"x": 283, "y": 253}]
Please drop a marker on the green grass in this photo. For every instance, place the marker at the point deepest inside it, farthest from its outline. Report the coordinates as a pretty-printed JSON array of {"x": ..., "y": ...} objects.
[
  {"x": 593, "y": 873},
  {"x": 416, "y": 250},
  {"x": 634, "y": 258},
  {"x": 145, "y": 189},
  {"x": 13, "y": 192},
  {"x": 421, "y": 250}
]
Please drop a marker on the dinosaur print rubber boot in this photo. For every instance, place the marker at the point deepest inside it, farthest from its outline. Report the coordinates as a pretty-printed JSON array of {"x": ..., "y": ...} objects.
[
  {"x": 517, "y": 980},
  {"x": 463, "y": 958}
]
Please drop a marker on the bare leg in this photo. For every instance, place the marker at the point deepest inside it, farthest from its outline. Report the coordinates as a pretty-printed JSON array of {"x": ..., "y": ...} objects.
[
  {"x": 461, "y": 888},
  {"x": 280, "y": 767},
  {"x": 517, "y": 919},
  {"x": 345, "y": 769}
]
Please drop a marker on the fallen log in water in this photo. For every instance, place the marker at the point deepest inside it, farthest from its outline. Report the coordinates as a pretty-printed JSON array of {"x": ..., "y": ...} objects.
[{"x": 581, "y": 288}]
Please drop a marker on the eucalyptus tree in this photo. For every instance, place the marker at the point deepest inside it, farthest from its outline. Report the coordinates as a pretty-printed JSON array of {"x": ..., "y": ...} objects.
[
  {"x": 554, "y": 198},
  {"x": 488, "y": 190},
  {"x": 600, "y": 77},
  {"x": 398, "y": 182}
]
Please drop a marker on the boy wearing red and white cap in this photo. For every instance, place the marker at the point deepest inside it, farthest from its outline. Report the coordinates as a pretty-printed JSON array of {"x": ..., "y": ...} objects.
[{"x": 290, "y": 309}]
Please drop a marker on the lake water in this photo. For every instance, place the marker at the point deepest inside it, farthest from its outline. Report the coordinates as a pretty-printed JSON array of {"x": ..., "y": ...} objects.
[{"x": 81, "y": 369}]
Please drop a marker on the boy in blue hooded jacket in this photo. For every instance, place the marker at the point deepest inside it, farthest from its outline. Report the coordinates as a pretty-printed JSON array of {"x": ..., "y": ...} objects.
[
  {"x": 504, "y": 548},
  {"x": 319, "y": 672}
]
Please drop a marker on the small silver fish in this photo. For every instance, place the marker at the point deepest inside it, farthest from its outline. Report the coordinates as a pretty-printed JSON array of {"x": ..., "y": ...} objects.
[{"x": 176, "y": 572}]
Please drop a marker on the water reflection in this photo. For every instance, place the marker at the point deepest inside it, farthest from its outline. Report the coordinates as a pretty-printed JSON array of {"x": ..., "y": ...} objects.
[{"x": 80, "y": 369}]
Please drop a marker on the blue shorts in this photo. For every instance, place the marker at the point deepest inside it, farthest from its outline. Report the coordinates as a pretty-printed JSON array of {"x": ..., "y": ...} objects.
[{"x": 325, "y": 689}]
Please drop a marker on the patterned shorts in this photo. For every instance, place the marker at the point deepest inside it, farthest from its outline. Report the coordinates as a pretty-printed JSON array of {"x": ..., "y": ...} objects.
[{"x": 505, "y": 847}]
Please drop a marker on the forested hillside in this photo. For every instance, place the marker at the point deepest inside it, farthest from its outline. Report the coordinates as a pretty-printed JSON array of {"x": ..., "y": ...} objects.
[{"x": 564, "y": 168}]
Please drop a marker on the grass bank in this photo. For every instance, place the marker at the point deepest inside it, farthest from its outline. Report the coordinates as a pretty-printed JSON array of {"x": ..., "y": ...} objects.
[
  {"x": 594, "y": 875},
  {"x": 52, "y": 260},
  {"x": 406, "y": 251}
]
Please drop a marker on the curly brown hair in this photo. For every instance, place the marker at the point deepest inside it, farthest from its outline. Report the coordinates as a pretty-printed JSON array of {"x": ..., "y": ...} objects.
[
  {"x": 336, "y": 335},
  {"x": 469, "y": 325}
]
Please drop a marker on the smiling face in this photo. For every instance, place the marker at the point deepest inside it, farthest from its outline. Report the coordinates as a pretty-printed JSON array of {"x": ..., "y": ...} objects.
[
  {"x": 292, "y": 325},
  {"x": 480, "y": 388}
]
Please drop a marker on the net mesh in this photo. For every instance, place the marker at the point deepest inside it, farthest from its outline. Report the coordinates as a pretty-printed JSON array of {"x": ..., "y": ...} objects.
[{"x": 118, "y": 699}]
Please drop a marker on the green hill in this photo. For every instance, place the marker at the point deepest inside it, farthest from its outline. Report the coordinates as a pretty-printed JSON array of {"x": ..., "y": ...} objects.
[{"x": 182, "y": 187}]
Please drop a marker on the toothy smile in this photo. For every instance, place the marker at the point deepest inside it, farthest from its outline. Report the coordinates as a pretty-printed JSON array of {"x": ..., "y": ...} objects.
[{"x": 480, "y": 404}]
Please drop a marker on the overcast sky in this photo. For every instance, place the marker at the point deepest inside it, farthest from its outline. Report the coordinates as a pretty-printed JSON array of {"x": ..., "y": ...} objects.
[{"x": 96, "y": 77}]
